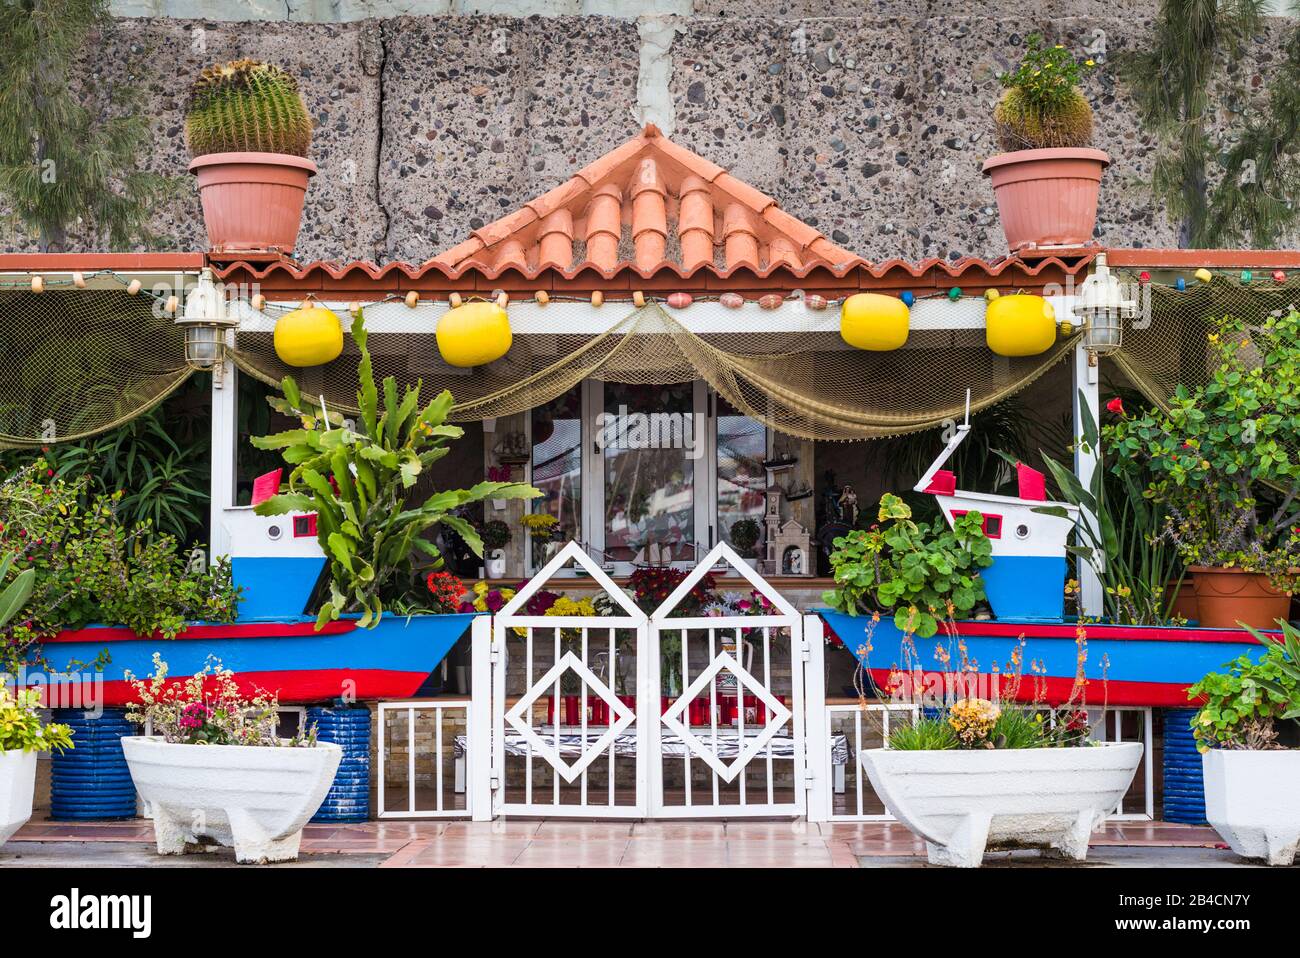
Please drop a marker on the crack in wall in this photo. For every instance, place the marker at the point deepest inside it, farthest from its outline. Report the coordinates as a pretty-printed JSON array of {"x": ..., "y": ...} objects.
[{"x": 374, "y": 60}]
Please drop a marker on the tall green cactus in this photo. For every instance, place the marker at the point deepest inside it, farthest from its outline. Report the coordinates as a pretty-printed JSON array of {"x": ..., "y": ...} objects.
[{"x": 247, "y": 106}]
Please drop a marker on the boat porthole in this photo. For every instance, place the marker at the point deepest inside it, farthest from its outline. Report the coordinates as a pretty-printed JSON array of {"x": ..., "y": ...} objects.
[
  {"x": 274, "y": 532},
  {"x": 1022, "y": 531}
]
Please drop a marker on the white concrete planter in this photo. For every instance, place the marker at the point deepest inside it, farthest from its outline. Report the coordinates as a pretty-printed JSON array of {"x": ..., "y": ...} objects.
[
  {"x": 1252, "y": 798},
  {"x": 964, "y": 801},
  {"x": 255, "y": 799},
  {"x": 17, "y": 784}
]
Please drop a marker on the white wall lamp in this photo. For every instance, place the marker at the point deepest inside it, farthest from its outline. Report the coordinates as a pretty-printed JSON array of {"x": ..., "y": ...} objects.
[
  {"x": 206, "y": 321},
  {"x": 1102, "y": 309}
]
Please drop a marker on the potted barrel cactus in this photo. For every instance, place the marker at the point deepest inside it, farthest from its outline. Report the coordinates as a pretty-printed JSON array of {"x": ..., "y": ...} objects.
[
  {"x": 249, "y": 133},
  {"x": 1047, "y": 183}
]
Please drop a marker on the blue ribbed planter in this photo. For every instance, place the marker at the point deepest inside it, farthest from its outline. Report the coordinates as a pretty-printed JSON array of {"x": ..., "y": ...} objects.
[
  {"x": 349, "y": 728},
  {"x": 1184, "y": 787},
  {"x": 91, "y": 780}
]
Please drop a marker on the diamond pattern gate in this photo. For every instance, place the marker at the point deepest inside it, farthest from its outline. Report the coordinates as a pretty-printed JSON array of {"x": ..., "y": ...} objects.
[
  {"x": 568, "y": 694},
  {"x": 633, "y": 716},
  {"x": 729, "y": 742}
]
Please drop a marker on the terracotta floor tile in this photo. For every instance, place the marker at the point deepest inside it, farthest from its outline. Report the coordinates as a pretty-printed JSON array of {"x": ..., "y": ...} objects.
[
  {"x": 502, "y": 828},
  {"x": 584, "y": 854},
  {"x": 777, "y": 855},
  {"x": 675, "y": 853},
  {"x": 442, "y": 853},
  {"x": 675, "y": 831},
  {"x": 559, "y": 830}
]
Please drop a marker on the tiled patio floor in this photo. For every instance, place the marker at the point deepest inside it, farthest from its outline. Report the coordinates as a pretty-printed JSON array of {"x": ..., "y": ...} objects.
[{"x": 575, "y": 844}]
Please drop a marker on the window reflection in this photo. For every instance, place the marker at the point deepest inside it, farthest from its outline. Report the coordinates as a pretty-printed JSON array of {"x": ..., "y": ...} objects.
[{"x": 557, "y": 470}]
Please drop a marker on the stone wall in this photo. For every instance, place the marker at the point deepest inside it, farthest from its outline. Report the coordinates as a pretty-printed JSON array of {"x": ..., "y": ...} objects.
[{"x": 867, "y": 119}]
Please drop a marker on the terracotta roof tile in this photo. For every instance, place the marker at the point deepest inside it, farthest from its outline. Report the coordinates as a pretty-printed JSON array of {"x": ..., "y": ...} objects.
[{"x": 662, "y": 204}]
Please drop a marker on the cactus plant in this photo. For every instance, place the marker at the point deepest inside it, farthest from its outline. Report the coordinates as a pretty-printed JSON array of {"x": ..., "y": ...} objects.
[
  {"x": 246, "y": 106},
  {"x": 1043, "y": 106}
]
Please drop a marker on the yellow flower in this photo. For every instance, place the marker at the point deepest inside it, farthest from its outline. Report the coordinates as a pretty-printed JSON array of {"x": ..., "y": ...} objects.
[{"x": 1091, "y": 63}]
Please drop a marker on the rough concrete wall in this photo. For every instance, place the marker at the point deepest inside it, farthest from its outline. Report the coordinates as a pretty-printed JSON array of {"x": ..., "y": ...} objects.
[{"x": 871, "y": 126}]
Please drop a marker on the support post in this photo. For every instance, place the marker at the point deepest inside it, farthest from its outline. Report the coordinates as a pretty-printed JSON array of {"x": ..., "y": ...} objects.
[
  {"x": 222, "y": 481},
  {"x": 478, "y": 758},
  {"x": 817, "y": 748},
  {"x": 1087, "y": 395}
]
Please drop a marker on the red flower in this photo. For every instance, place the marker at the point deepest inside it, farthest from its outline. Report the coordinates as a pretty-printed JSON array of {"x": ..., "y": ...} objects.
[{"x": 1116, "y": 406}]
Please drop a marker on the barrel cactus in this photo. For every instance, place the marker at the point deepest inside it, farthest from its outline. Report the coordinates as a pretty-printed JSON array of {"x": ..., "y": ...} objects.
[
  {"x": 1043, "y": 106},
  {"x": 247, "y": 106}
]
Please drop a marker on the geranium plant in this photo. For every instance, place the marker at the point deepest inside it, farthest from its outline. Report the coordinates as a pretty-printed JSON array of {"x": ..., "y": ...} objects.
[
  {"x": 1224, "y": 448},
  {"x": 446, "y": 590},
  {"x": 207, "y": 708},
  {"x": 925, "y": 573},
  {"x": 357, "y": 482}
]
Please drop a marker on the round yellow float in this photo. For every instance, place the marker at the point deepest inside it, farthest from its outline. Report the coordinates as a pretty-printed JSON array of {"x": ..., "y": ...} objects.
[
  {"x": 1020, "y": 325},
  {"x": 311, "y": 335},
  {"x": 874, "y": 321},
  {"x": 473, "y": 334}
]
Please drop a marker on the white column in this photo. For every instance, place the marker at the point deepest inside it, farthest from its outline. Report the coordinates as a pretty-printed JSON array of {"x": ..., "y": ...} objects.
[
  {"x": 479, "y": 738},
  {"x": 1086, "y": 464},
  {"x": 225, "y": 390}
]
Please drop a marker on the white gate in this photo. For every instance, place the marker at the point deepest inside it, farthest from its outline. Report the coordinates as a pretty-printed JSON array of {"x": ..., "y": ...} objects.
[
  {"x": 730, "y": 737},
  {"x": 634, "y": 716},
  {"x": 569, "y": 741}
]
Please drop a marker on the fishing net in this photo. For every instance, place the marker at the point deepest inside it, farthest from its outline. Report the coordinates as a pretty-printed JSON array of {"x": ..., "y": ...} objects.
[
  {"x": 1166, "y": 345},
  {"x": 802, "y": 383},
  {"x": 76, "y": 362}
]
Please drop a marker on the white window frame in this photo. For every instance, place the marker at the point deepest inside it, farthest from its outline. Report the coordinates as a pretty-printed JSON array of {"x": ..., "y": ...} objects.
[{"x": 704, "y": 480}]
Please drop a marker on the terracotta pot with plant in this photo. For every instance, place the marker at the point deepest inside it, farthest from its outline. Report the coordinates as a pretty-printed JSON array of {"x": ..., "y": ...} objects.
[
  {"x": 1047, "y": 183},
  {"x": 1224, "y": 472},
  {"x": 249, "y": 132}
]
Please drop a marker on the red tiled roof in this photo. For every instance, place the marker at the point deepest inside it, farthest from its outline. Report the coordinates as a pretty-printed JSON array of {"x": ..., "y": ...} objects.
[{"x": 652, "y": 203}]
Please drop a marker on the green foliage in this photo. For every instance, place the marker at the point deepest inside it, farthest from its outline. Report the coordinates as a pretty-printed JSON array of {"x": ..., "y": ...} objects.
[
  {"x": 246, "y": 106},
  {"x": 1019, "y": 728},
  {"x": 1220, "y": 446},
  {"x": 926, "y": 573},
  {"x": 1126, "y": 547},
  {"x": 357, "y": 481},
  {"x": 745, "y": 534},
  {"x": 925, "y": 734},
  {"x": 1244, "y": 704},
  {"x": 1227, "y": 186},
  {"x": 14, "y": 595},
  {"x": 90, "y": 567},
  {"x": 1043, "y": 106},
  {"x": 60, "y": 162},
  {"x": 159, "y": 461},
  {"x": 21, "y": 727}
]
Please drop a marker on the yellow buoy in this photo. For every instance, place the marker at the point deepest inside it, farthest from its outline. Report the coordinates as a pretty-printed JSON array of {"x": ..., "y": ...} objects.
[
  {"x": 311, "y": 335},
  {"x": 874, "y": 321},
  {"x": 473, "y": 334},
  {"x": 1020, "y": 325}
]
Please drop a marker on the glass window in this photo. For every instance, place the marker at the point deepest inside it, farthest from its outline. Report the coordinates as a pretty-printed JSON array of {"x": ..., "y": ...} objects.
[
  {"x": 256, "y": 418},
  {"x": 557, "y": 469},
  {"x": 650, "y": 445},
  {"x": 742, "y": 480}
]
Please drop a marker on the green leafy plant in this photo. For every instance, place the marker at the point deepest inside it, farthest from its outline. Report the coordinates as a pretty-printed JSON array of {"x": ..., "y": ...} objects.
[
  {"x": 745, "y": 534},
  {"x": 1224, "y": 447},
  {"x": 357, "y": 480},
  {"x": 89, "y": 567},
  {"x": 1043, "y": 106},
  {"x": 65, "y": 161},
  {"x": 926, "y": 572},
  {"x": 21, "y": 727},
  {"x": 247, "y": 106},
  {"x": 1125, "y": 547},
  {"x": 1244, "y": 705},
  {"x": 14, "y": 594}
]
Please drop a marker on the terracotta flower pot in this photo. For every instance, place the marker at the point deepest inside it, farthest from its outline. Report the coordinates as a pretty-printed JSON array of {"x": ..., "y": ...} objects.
[
  {"x": 252, "y": 201},
  {"x": 1047, "y": 197},
  {"x": 1225, "y": 597},
  {"x": 1184, "y": 598}
]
